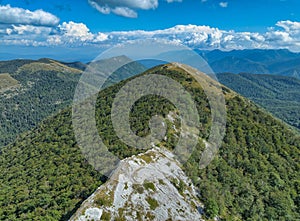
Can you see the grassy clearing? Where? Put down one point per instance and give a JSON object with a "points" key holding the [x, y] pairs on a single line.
{"points": [[6, 82]]}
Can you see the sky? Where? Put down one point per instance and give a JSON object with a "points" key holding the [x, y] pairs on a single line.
{"points": [[80, 29]]}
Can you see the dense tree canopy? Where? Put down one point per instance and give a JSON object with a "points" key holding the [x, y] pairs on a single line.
{"points": [[278, 94], [255, 176]]}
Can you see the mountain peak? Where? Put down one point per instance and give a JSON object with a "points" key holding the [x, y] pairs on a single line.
{"points": [[148, 186]]}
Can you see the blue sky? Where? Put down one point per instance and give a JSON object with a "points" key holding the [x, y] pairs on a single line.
{"points": [[201, 24], [239, 15]]}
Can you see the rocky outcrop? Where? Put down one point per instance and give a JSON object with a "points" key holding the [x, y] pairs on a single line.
{"points": [[149, 186]]}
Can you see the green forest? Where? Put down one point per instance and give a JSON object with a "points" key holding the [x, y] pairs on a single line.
{"points": [[279, 95], [255, 176], [45, 87]]}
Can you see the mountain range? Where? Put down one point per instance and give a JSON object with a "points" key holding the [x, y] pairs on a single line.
{"points": [[276, 62], [255, 175]]}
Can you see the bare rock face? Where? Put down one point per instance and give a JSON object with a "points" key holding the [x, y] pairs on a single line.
{"points": [[149, 186]]}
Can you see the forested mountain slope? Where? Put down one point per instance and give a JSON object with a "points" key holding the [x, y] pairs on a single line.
{"points": [[44, 87], [278, 94], [255, 176], [33, 90]]}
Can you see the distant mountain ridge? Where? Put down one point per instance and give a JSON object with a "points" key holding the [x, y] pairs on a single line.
{"points": [[256, 61]]}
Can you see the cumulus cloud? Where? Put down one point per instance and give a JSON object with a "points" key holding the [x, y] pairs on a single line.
{"points": [[285, 34], [76, 30], [13, 15], [125, 8], [137, 4], [288, 36], [223, 4], [28, 29], [99, 37], [170, 1], [194, 36], [68, 33], [20, 26], [289, 25], [124, 11], [75, 34]]}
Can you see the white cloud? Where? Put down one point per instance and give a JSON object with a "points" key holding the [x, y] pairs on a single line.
{"points": [[285, 34], [170, 1], [124, 11], [135, 4], [100, 37], [223, 4], [13, 15], [278, 36], [21, 42], [75, 34], [28, 29], [205, 37], [103, 9], [289, 25], [54, 40], [76, 30], [126, 8], [287, 37]]}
